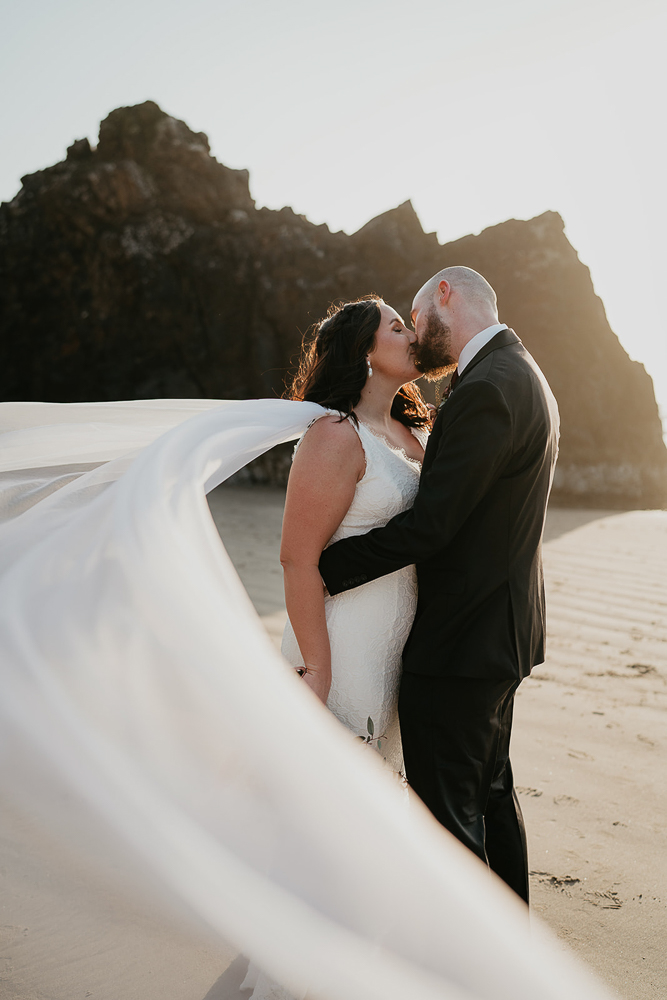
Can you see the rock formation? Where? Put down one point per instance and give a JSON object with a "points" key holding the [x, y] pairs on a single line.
{"points": [[142, 268]]}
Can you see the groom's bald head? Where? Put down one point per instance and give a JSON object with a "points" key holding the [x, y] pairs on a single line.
{"points": [[447, 312], [473, 288]]}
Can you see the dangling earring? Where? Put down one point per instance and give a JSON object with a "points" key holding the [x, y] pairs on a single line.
{"points": [[368, 362]]}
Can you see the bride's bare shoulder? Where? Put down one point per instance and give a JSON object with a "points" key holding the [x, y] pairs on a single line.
{"points": [[332, 428], [330, 441]]}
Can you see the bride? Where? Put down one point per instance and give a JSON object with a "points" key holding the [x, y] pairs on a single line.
{"points": [[351, 473]]}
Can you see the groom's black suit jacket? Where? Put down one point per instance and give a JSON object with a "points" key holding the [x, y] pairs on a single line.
{"points": [[476, 526]]}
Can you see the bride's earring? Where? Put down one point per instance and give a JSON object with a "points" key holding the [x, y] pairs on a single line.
{"points": [[368, 362]]}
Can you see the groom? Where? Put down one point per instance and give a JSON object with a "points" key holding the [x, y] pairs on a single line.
{"points": [[475, 534]]}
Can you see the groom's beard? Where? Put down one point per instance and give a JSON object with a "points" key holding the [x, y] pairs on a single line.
{"points": [[433, 354]]}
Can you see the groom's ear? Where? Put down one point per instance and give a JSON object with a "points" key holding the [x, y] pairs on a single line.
{"points": [[445, 290]]}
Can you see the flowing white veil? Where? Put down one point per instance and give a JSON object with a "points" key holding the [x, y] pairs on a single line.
{"points": [[139, 684]]}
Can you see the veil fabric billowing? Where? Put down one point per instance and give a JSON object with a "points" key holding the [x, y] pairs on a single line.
{"points": [[138, 681]]}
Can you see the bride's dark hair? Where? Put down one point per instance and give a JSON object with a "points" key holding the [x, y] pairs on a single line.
{"points": [[332, 368]]}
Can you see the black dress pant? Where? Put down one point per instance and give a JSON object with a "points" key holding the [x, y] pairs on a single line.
{"points": [[456, 738]]}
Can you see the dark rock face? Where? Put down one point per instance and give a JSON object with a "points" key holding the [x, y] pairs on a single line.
{"points": [[143, 269], [612, 449]]}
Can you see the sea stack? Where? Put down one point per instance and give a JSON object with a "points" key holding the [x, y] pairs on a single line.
{"points": [[142, 268]]}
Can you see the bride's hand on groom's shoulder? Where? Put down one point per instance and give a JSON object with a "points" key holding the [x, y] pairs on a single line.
{"points": [[432, 414]]}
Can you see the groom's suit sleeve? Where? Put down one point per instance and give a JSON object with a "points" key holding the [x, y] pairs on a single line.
{"points": [[474, 446]]}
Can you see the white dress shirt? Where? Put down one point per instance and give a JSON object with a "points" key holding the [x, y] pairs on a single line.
{"points": [[475, 345]]}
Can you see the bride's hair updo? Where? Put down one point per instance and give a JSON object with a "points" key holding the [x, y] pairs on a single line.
{"points": [[332, 368]]}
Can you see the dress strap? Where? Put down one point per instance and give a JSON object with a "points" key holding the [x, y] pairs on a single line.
{"points": [[328, 413], [422, 435], [331, 413]]}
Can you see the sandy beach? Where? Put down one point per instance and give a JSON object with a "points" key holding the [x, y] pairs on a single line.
{"points": [[588, 755]]}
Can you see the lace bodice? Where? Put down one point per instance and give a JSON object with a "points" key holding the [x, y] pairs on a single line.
{"points": [[368, 626], [388, 486]]}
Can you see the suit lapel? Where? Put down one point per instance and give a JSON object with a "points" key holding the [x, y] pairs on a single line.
{"points": [[505, 338], [432, 444]]}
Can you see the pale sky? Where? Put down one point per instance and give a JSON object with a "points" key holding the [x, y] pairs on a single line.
{"points": [[477, 111]]}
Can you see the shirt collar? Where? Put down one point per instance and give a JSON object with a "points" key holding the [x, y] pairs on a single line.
{"points": [[475, 345]]}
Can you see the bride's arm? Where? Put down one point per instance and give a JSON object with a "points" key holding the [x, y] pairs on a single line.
{"points": [[327, 466]]}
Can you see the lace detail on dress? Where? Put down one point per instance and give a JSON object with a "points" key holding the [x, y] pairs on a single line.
{"points": [[401, 451], [369, 626]]}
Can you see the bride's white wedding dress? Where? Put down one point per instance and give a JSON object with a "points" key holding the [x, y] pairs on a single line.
{"points": [[368, 626]]}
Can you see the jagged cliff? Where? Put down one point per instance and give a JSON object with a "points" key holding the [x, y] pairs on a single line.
{"points": [[142, 268]]}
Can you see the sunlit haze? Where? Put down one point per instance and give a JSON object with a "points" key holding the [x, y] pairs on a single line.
{"points": [[477, 112]]}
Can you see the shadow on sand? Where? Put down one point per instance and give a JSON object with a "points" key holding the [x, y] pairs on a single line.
{"points": [[562, 520], [228, 986]]}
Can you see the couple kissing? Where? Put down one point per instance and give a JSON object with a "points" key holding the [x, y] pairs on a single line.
{"points": [[427, 534]]}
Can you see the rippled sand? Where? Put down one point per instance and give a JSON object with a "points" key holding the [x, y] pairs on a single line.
{"points": [[590, 748]]}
